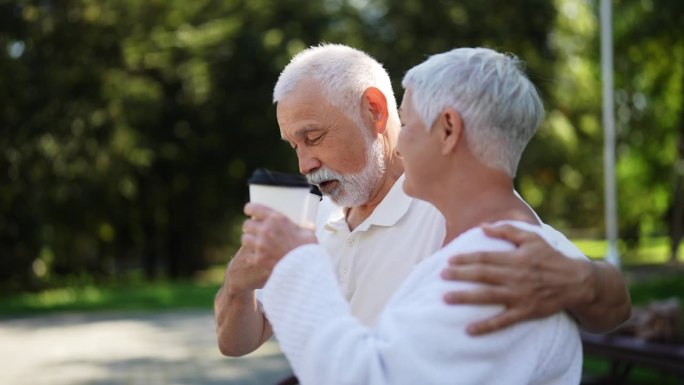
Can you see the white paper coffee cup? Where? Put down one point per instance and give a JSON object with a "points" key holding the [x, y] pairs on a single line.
{"points": [[286, 193]]}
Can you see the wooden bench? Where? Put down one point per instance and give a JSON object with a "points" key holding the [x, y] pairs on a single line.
{"points": [[626, 352]]}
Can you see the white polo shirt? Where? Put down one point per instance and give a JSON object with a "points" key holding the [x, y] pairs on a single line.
{"points": [[373, 260]]}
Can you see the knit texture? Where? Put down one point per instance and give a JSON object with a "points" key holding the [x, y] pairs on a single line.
{"points": [[418, 339]]}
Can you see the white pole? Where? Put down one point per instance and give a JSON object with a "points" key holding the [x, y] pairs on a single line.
{"points": [[612, 255]]}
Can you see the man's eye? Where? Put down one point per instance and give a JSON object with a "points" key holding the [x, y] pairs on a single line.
{"points": [[314, 139]]}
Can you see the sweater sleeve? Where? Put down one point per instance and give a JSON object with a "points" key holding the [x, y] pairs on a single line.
{"points": [[324, 343], [302, 296]]}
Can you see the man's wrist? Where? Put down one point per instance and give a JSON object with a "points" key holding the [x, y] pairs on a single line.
{"points": [[234, 294], [588, 286]]}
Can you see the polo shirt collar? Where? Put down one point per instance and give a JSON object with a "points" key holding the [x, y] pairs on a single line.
{"points": [[392, 208]]}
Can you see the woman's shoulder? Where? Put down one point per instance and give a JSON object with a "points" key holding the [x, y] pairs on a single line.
{"points": [[475, 239]]}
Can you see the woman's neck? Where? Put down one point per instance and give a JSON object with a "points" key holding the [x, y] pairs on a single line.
{"points": [[482, 200]]}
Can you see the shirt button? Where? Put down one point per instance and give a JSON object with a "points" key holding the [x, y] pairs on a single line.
{"points": [[350, 242]]}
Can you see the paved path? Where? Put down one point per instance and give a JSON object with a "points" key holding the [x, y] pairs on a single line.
{"points": [[169, 348]]}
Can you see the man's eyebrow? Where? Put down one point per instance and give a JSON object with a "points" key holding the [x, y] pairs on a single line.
{"points": [[302, 132], [305, 130]]}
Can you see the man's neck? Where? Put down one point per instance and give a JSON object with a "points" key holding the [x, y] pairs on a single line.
{"points": [[357, 214]]}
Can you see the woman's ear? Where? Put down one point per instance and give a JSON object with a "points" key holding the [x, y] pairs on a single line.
{"points": [[450, 130], [374, 103]]}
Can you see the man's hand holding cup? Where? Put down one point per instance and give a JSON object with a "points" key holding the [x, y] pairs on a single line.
{"points": [[269, 235], [281, 213]]}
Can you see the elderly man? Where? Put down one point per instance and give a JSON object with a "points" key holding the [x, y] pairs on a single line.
{"points": [[467, 116], [336, 108]]}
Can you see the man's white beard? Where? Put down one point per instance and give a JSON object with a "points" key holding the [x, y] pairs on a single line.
{"points": [[355, 189]]}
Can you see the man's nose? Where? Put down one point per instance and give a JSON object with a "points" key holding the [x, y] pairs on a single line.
{"points": [[307, 162]]}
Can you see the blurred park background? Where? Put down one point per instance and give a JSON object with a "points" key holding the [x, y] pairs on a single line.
{"points": [[129, 128]]}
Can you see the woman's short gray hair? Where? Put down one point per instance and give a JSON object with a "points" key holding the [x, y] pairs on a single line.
{"points": [[343, 72], [500, 107]]}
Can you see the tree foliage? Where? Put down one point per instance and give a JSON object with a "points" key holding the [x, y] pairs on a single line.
{"points": [[130, 126], [565, 179]]}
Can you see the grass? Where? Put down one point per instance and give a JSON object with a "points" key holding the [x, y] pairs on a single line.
{"points": [[651, 251], [594, 367], [665, 287], [149, 296], [137, 295]]}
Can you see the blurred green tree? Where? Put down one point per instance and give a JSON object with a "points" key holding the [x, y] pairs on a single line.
{"points": [[130, 127], [649, 68], [566, 175]]}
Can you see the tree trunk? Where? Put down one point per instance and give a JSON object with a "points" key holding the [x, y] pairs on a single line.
{"points": [[677, 205], [676, 221]]}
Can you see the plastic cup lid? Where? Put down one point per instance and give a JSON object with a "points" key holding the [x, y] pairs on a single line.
{"points": [[262, 176]]}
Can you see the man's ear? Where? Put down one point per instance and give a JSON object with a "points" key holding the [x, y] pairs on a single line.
{"points": [[375, 104], [450, 130]]}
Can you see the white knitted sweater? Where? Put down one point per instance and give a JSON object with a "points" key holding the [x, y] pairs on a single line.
{"points": [[418, 339]]}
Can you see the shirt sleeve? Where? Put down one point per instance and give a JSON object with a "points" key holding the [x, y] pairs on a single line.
{"points": [[418, 338]]}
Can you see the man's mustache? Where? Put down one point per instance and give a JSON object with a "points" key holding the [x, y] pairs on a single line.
{"points": [[323, 175]]}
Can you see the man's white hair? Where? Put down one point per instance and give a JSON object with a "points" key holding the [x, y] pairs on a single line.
{"points": [[500, 107], [343, 72]]}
